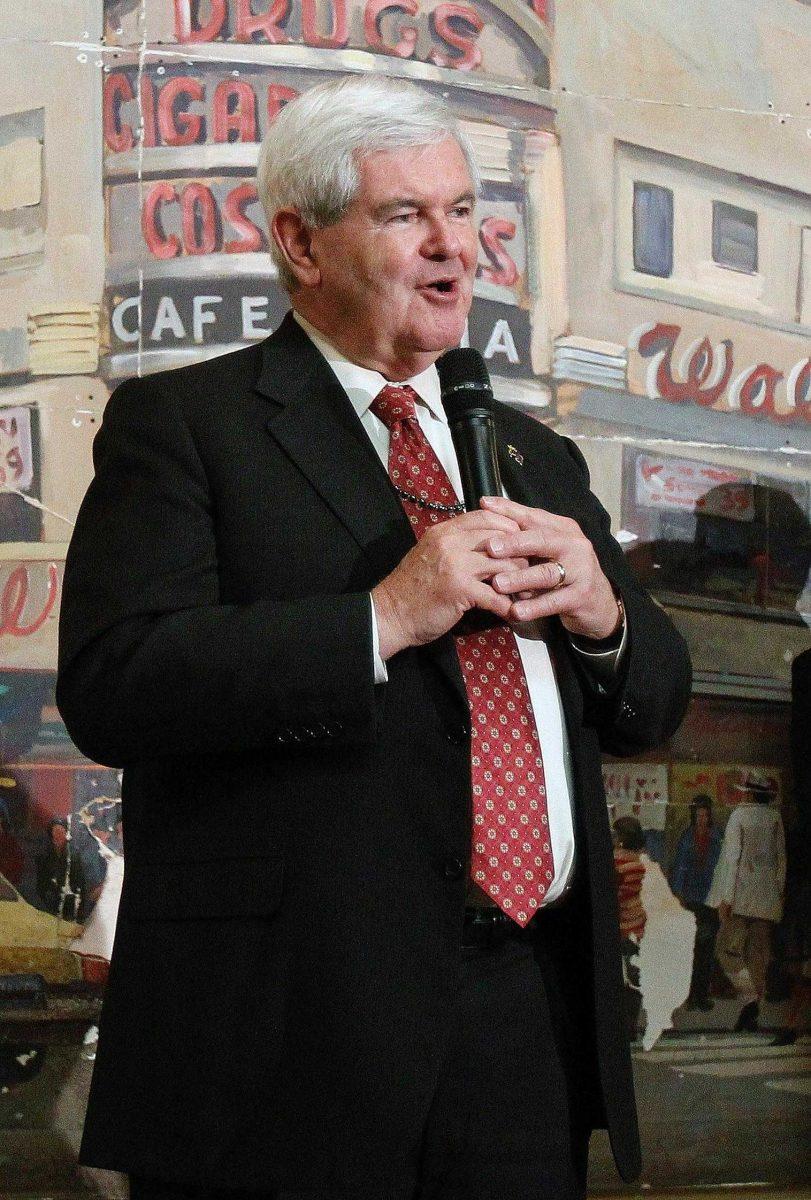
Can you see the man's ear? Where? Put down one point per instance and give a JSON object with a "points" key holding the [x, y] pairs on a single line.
{"points": [[293, 237]]}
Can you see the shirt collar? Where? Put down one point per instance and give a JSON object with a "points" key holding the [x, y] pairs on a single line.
{"points": [[362, 385]]}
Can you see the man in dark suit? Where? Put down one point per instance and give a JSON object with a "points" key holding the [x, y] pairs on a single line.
{"points": [[365, 948]]}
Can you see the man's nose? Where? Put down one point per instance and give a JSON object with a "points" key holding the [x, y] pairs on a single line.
{"points": [[442, 239]]}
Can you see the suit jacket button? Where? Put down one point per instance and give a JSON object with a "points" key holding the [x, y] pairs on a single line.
{"points": [[453, 868]]}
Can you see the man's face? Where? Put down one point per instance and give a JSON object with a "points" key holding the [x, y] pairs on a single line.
{"points": [[396, 272]]}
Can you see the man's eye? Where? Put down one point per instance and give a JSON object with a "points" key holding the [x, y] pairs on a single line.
{"points": [[403, 217], [462, 210]]}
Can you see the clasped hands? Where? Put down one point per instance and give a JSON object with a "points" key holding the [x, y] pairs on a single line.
{"points": [[502, 558]]}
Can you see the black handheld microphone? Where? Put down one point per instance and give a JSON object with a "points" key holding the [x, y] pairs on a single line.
{"points": [[467, 398]]}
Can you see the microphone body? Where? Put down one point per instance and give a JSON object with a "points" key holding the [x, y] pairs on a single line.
{"points": [[474, 439], [467, 398]]}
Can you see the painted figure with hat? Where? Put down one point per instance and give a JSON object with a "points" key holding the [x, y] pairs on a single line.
{"points": [[747, 889]]}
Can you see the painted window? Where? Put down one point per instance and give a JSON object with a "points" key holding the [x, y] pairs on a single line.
{"points": [[734, 538], [734, 237], [690, 233], [653, 229]]}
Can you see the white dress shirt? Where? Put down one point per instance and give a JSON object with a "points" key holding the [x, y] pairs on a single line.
{"points": [[362, 386]]}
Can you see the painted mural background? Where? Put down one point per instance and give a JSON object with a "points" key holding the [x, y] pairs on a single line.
{"points": [[644, 286]]}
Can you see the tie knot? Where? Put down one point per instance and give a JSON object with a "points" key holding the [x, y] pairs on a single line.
{"points": [[394, 404]]}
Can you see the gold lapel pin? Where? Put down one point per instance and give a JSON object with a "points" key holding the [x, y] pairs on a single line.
{"points": [[513, 453]]}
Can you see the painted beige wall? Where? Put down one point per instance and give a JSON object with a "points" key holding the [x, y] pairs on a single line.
{"points": [[65, 81], [723, 84]]}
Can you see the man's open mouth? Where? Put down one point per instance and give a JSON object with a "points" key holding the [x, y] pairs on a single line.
{"points": [[443, 286]]}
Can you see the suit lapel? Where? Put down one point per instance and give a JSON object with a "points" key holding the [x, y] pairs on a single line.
{"points": [[527, 480], [315, 424]]}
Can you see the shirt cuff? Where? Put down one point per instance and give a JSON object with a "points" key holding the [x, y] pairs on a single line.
{"points": [[381, 674], [603, 665]]}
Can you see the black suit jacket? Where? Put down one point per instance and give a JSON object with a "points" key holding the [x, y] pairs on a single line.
{"points": [[295, 836]]}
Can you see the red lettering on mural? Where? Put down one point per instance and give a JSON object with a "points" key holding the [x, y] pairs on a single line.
{"points": [[119, 135], [158, 243], [267, 23], [199, 217], [201, 224], [278, 96], [457, 26], [372, 16], [176, 125], [186, 13], [494, 231], [753, 393], [756, 394], [799, 389], [15, 464], [662, 340], [14, 598], [251, 238], [541, 9], [734, 501], [234, 112], [339, 33], [117, 89]]}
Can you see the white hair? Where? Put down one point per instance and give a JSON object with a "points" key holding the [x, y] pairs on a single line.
{"points": [[309, 157]]}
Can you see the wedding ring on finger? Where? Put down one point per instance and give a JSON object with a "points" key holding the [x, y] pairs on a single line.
{"points": [[562, 578]]}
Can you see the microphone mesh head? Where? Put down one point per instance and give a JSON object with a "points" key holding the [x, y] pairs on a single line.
{"points": [[463, 380]]}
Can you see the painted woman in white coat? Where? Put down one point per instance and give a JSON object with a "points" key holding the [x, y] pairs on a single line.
{"points": [[747, 889]]}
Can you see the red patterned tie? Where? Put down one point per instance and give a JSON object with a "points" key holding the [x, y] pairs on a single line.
{"points": [[511, 858]]}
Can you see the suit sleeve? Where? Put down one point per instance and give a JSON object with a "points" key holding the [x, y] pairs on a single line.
{"points": [[654, 679], [151, 661]]}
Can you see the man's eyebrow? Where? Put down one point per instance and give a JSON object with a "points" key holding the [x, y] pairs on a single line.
{"points": [[466, 198], [392, 206]]}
